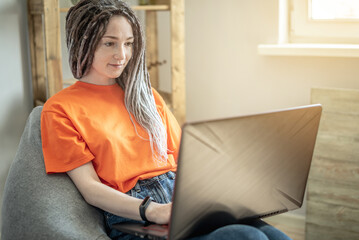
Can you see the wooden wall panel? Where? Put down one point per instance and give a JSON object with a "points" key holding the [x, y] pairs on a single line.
{"points": [[44, 38], [328, 233], [333, 185], [339, 194], [178, 60], [337, 100], [45, 47], [38, 64], [53, 46], [152, 47]]}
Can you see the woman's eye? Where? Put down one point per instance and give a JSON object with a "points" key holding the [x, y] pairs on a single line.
{"points": [[109, 44], [129, 44]]}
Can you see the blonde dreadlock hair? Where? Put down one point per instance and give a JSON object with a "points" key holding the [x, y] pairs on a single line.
{"points": [[86, 23]]}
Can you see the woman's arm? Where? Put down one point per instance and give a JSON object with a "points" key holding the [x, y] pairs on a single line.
{"points": [[113, 201]]}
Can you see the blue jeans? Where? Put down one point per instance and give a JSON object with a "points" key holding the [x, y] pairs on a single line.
{"points": [[160, 188]]}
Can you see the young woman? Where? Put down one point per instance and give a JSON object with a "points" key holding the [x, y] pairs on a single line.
{"points": [[110, 132]]}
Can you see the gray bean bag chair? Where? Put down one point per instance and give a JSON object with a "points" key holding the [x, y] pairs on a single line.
{"points": [[41, 206]]}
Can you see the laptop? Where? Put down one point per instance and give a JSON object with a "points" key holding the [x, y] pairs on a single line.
{"points": [[237, 169]]}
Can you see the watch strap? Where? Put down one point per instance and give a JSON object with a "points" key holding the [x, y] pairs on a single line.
{"points": [[143, 206]]}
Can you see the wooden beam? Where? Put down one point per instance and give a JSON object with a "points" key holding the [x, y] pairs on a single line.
{"points": [[161, 2], [39, 103], [137, 8], [151, 8], [35, 7], [152, 49], [37, 49], [167, 98], [53, 46], [32, 52], [178, 60]]}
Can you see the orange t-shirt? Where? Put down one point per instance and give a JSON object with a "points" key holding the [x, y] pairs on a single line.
{"points": [[87, 122]]}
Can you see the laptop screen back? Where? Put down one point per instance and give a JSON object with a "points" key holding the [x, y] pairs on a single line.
{"points": [[241, 168]]}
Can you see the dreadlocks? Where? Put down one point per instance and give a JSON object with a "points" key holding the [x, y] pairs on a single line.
{"points": [[86, 23]]}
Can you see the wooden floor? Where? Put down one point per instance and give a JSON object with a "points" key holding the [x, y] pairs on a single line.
{"points": [[294, 227]]}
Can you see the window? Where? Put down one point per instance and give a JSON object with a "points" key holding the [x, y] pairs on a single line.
{"points": [[334, 10], [324, 21]]}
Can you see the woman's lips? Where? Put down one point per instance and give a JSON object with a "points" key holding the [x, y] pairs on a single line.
{"points": [[117, 65]]}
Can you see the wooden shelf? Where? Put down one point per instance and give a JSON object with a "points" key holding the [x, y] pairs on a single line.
{"points": [[151, 8], [45, 47], [137, 8]]}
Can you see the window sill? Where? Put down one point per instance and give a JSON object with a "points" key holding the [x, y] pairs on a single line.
{"points": [[314, 50]]}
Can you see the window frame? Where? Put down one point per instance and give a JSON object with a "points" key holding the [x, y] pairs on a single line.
{"points": [[303, 29]]}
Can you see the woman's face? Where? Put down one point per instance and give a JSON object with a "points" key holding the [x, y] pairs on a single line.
{"points": [[113, 52]]}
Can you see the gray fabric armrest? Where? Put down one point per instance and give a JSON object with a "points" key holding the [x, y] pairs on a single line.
{"points": [[41, 206]]}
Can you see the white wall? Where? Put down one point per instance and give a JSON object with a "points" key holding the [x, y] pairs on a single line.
{"points": [[225, 75], [15, 92]]}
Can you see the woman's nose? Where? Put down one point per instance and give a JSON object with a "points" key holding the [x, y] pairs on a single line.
{"points": [[120, 54]]}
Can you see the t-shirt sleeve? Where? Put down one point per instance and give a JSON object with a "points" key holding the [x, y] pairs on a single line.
{"points": [[63, 147], [172, 126]]}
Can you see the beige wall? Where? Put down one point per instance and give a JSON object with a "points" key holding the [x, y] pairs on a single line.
{"points": [[226, 76]]}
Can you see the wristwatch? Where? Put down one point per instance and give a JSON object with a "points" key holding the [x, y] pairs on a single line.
{"points": [[143, 206]]}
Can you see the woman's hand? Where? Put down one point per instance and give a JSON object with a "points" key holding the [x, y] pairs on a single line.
{"points": [[113, 201], [159, 213]]}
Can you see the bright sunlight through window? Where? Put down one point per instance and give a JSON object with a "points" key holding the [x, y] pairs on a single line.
{"points": [[334, 9]]}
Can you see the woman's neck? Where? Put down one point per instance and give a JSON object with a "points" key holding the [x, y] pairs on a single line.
{"points": [[98, 81]]}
